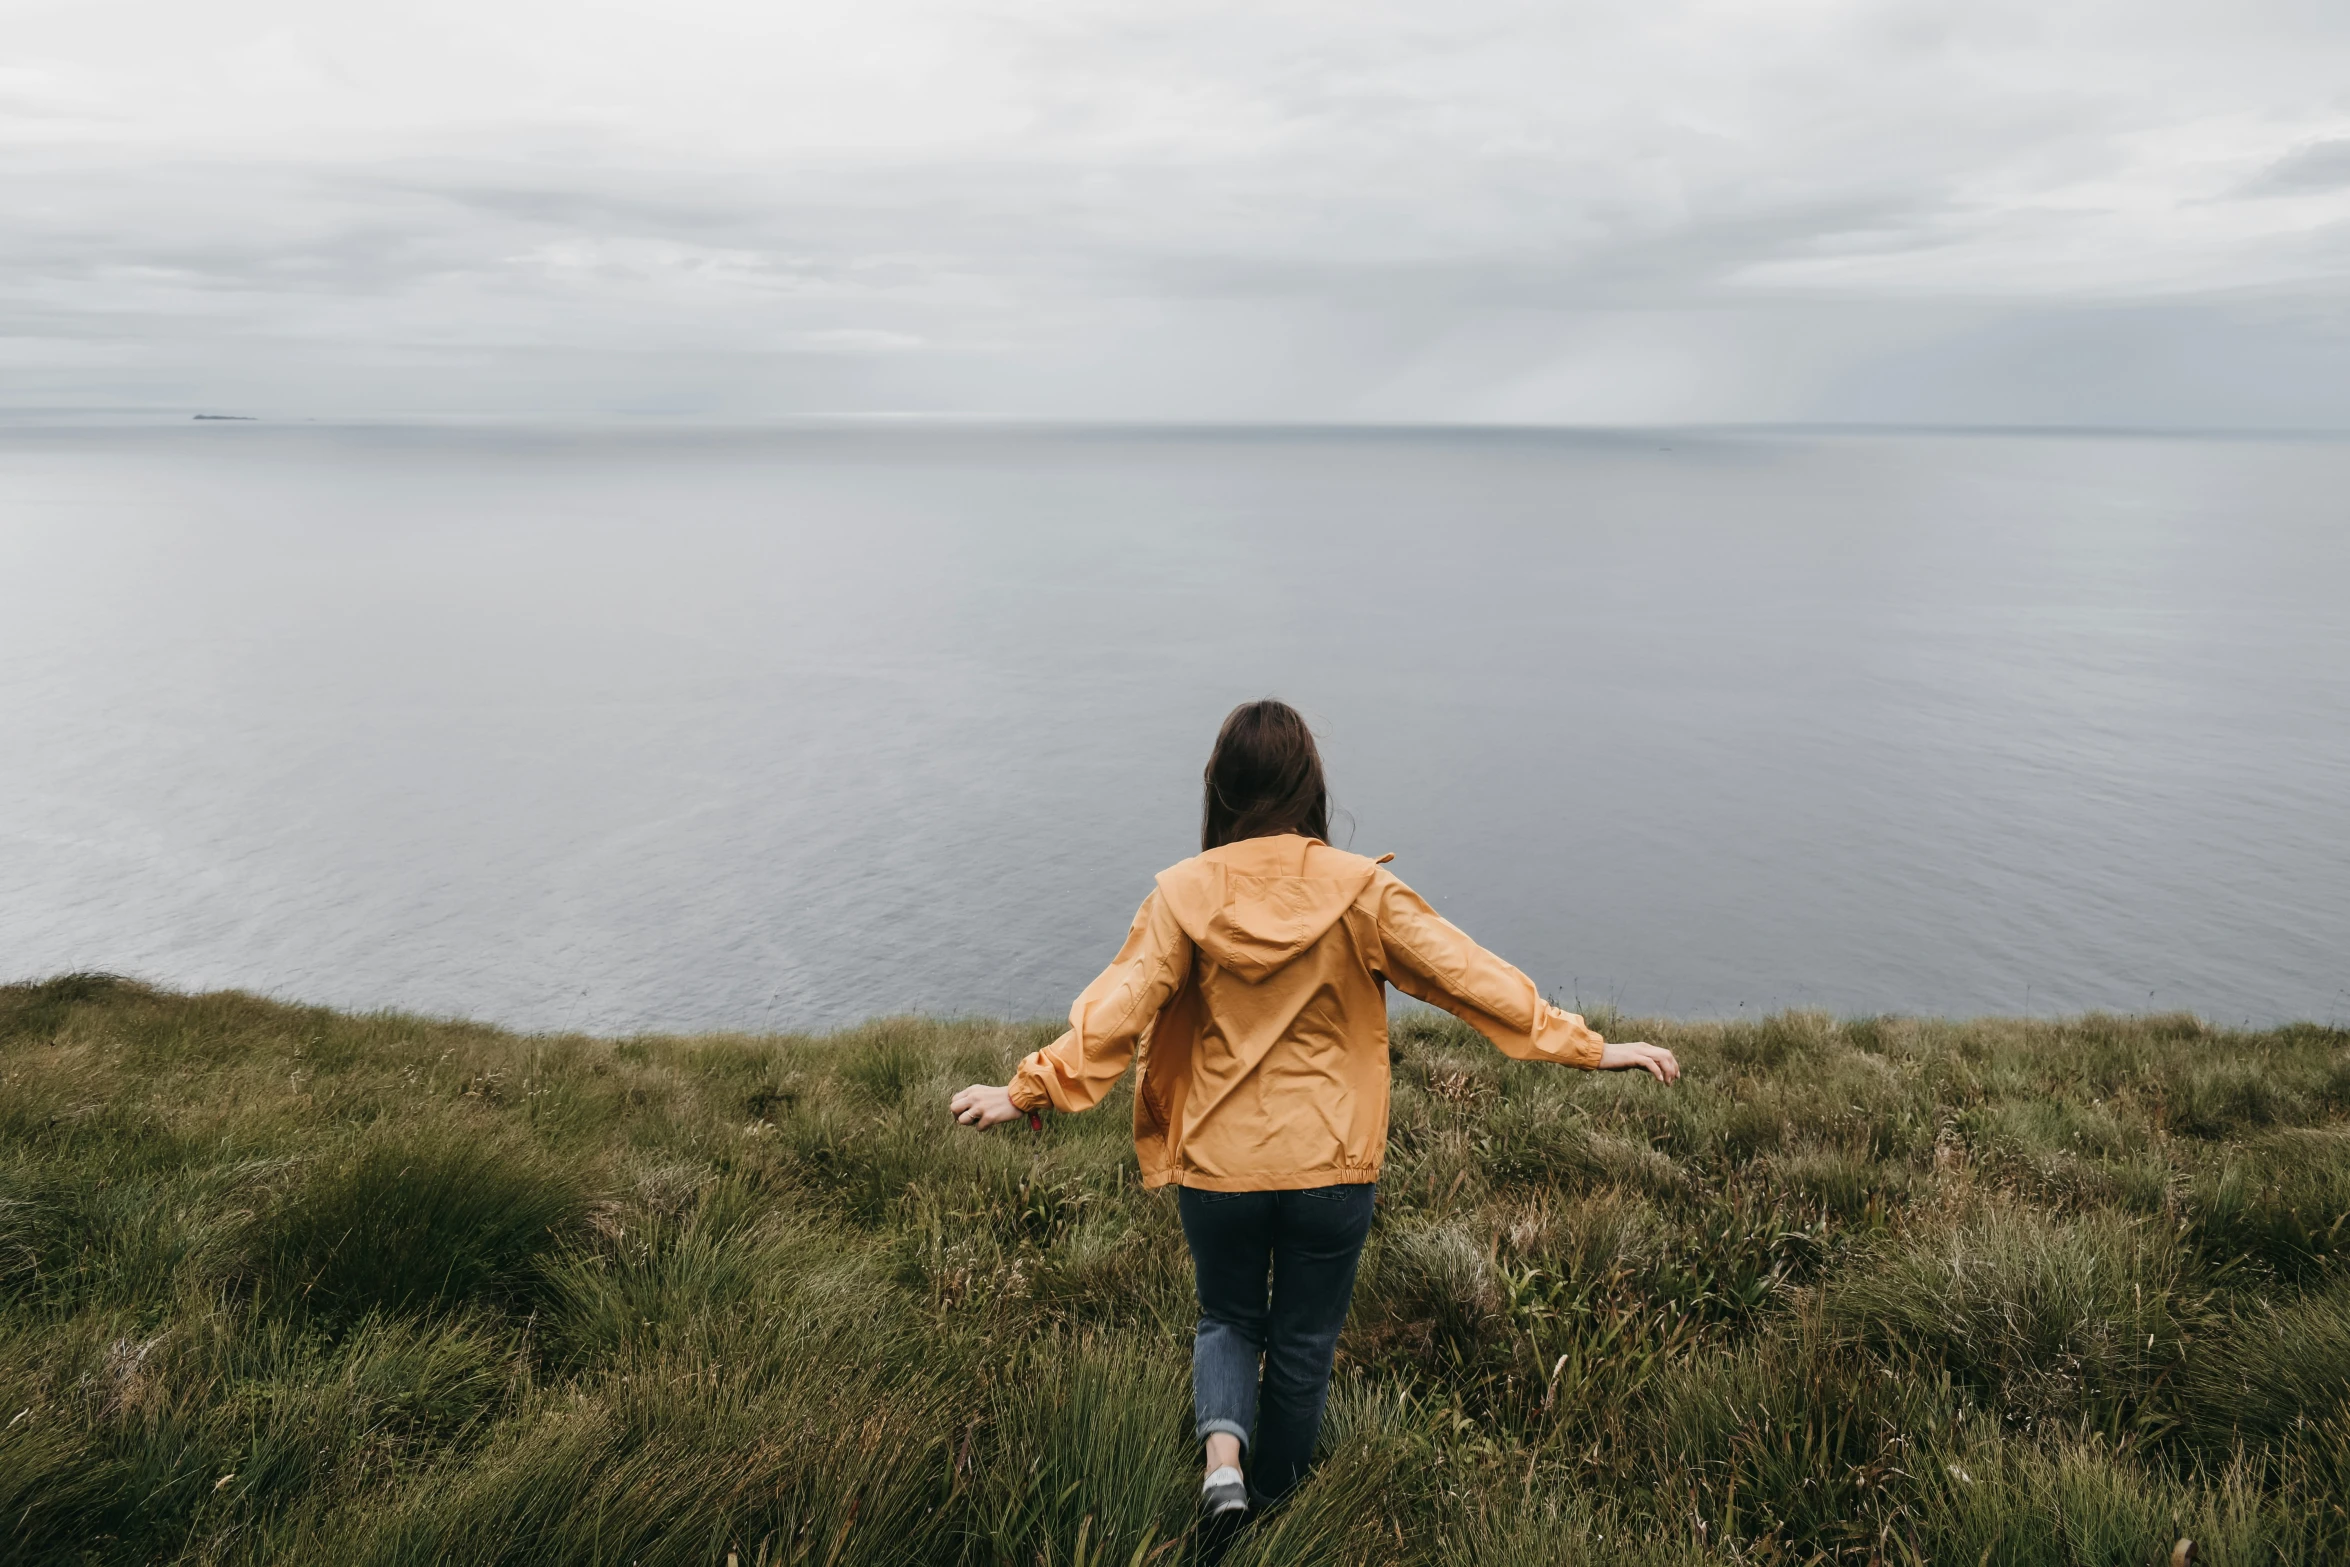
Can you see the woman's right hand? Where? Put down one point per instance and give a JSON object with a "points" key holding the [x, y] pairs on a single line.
{"points": [[983, 1105], [1655, 1060]]}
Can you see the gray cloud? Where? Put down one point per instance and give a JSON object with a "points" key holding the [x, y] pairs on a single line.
{"points": [[1689, 210], [2319, 166]]}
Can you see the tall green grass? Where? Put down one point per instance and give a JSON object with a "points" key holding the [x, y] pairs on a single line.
{"points": [[283, 1284]]}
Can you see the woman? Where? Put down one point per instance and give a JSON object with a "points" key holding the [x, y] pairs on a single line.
{"points": [[1256, 973]]}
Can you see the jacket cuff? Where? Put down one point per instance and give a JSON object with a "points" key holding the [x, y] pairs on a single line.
{"points": [[1026, 1094], [1583, 1042]]}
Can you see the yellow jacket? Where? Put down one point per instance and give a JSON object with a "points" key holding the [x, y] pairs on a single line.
{"points": [[1253, 980]]}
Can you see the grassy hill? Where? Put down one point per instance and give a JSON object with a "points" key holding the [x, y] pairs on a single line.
{"points": [[284, 1284]]}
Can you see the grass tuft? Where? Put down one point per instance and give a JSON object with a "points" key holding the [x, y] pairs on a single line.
{"points": [[413, 1222], [2279, 1205], [2047, 1319]]}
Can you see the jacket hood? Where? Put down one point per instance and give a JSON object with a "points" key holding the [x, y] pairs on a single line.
{"points": [[1254, 905]]}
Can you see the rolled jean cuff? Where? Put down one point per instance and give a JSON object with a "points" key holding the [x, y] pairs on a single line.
{"points": [[1231, 1428]]}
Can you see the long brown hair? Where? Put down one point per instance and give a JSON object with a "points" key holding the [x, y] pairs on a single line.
{"points": [[1264, 777]]}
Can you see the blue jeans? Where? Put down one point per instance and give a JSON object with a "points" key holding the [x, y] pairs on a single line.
{"points": [[1309, 1241]]}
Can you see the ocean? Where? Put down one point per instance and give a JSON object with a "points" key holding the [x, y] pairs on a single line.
{"points": [[653, 728]]}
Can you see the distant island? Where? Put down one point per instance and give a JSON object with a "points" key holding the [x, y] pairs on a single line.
{"points": [[238, 418]]}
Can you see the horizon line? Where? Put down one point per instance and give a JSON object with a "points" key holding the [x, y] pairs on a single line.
{"points": [[176, 415]]}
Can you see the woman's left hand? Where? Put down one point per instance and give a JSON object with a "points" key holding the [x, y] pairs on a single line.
{"points": [[983, 1106], [1640, 1055]]}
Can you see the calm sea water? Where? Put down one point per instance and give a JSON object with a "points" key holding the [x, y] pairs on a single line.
{"points": [[681, 730]]}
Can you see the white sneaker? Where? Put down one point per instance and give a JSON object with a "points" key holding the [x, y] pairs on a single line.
{"points": [[1223, 1493]]}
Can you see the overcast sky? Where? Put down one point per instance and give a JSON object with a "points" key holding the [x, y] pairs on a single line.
{"points": [[2085, 211]]}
